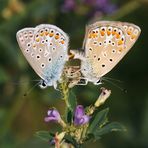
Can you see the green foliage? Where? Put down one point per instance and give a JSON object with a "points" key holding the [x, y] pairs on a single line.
{"points": [[44, 135], [72, 105], [20, 120], [113, 126], [99, 120]]}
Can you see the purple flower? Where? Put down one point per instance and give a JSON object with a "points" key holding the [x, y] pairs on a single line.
{"points": [[104, 6], [79, 117], [68, 5], [52, 115]]}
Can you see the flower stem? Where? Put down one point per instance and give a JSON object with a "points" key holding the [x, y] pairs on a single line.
{"points": [[65, 92]]}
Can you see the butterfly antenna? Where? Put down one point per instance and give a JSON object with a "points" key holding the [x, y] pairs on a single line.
{"points": [[122, 89], [23, 82], [25, 94], [112, 79]]}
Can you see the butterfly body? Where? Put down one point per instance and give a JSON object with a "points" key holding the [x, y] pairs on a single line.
{"points": [[105, 44], [45, 48]]}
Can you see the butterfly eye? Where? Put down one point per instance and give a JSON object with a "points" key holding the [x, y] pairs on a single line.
{"points": [[42, 84], [98, 82]]}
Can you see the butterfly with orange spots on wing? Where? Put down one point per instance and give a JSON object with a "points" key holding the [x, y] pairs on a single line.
{"points": [[46, 49], [105, 44]]}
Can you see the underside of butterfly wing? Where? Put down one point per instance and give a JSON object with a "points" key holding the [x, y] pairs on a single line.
{"points": [[47, 50], [105, 45]]}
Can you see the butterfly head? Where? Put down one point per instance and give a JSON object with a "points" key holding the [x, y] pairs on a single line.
{"points": [[43, 84]]}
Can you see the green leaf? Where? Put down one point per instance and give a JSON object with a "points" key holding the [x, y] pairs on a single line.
{"points": [[99, 119], [69, 115], [72, 101], [44, 135], [114, 126], [71, 140]]}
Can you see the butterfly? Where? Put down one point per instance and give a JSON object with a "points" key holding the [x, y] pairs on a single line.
{"points": [[105, 44], [46, 49]]}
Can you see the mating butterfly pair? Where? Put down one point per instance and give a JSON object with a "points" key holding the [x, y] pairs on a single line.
{"points": [[105, 44]]}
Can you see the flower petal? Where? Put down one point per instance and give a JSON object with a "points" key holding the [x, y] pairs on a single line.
{"points": [[85, 119], [79, 112]]}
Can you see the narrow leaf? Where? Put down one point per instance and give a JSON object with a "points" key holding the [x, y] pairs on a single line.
{"points": [[99, 119], [114, 126], [72, 101], [44, 135]]}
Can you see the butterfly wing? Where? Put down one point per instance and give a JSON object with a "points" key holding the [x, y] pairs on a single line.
{"points": [[45, 48], [105, 45]]}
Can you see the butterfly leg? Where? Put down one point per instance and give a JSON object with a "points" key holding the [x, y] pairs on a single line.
{"points": [[76, 54]]}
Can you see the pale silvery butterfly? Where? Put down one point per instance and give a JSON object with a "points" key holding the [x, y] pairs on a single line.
{"points": [[45, 47], [105, 44]]}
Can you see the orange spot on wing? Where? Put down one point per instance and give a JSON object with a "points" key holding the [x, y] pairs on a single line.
{"points": [[37, 40], [129, 32], [41, 34], [113, 32], [51, 34], [62, 42], [46, 33], [133, 36], [117, 35], [57, 37], [108, 32], [121, 49], [120, 42], [102, 33], [90, 35], [94, 35]]}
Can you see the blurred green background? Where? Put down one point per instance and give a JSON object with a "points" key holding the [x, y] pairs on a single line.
{"points": [[21, 117]]}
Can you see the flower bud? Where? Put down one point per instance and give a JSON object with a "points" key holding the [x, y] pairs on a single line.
{"points": [[103, 97]]}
